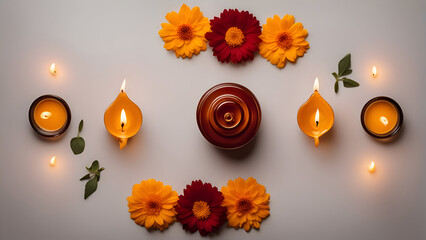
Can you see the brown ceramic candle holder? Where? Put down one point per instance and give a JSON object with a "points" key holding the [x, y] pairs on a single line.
{"points": [[44, 132], [380, 113], [228, 115]]}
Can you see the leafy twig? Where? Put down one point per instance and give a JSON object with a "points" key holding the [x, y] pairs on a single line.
{"points": [[94, 176], [344, 70]]}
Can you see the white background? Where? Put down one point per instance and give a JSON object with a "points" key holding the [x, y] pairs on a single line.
{"points": [[316, 193]]}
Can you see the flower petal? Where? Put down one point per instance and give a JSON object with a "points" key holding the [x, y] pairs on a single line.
{"points": [[149, 222], [174, 18], [287, 22]]}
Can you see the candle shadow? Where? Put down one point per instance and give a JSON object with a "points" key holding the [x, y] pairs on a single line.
{"points": [[49, 139], [132, 147], [327, 140], [328, 137], [136, 141], [242, 153], [392, 140]]}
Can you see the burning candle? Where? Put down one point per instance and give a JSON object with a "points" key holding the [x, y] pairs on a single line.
{"points": [[381, 117], [315, 117], [123, 118], [53, 69], [53, 161], [49, 116], [374, 72], [372, 167]]}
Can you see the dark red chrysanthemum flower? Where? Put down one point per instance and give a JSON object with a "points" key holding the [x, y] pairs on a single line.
{"points": [[234, 36], [199, 208]]}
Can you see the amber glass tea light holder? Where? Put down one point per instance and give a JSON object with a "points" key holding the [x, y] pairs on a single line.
{"points": [[50, 116], [315, 117], [382, 118]]}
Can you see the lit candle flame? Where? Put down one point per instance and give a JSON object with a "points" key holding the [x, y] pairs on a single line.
{"points": [[53, 69], [374, 71], [372, 167], [123, 119], [53, 161], [317, 118], [316, 85], [384, 120], [45, 115], [123, 86]]}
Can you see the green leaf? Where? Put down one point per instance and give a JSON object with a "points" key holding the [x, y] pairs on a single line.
{"points": [[91, 187], [344, 64], [336, 87], [334, 75], [80, 126], [90, 170], [347, 72], [349, 83], [77, 145], [87, 176], [95, 166], [94, 176]]}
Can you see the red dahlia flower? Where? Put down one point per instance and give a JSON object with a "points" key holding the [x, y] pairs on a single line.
{"points": [[199, 208], [234, 36]]}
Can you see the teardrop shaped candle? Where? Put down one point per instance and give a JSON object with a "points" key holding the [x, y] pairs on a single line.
{"points": [[315, 117], [123, 118]]}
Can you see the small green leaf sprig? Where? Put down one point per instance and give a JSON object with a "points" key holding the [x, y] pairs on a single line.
{"points": [[344, 70], [94, 175], [77, 143]]}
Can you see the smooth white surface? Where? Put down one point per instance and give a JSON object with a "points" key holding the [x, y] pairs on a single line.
{"points": [[316, 193]]}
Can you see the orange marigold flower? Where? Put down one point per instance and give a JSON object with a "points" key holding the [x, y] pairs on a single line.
{"points": [[247, 203], [184, 34], [283, 40], [152, 204]]}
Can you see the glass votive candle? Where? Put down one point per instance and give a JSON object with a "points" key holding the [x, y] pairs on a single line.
{"points": [[50, 116], [382, 117]]}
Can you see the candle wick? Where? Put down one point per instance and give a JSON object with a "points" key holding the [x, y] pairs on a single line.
{"points": [[122, 125], [317, 122]]}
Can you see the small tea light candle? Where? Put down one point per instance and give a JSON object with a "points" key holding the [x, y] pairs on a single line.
{"points": [[53, 69], [372, 167], [53, 161], [49, 116], [374, 72], [381, 117]]}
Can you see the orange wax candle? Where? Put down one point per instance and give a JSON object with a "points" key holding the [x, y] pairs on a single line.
{"points": [[315, 117], [123, 118], [381, 117], [50, 115]]}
